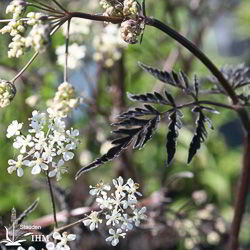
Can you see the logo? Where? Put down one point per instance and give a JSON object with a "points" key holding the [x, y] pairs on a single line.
{"points": [[13, 242], [11, 234]]}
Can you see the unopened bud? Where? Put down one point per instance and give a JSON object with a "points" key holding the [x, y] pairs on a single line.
{"points": [[7, 93], [130, 30]]}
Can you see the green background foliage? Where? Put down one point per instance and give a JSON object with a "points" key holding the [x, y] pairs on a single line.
{"points": [[217, 165]]}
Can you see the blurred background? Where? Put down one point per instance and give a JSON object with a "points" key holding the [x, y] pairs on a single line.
{"points": [[103, 69]]}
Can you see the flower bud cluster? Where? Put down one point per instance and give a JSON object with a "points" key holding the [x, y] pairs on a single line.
{"points": [[7, 93], [118, 208], [125, 8], [64, 102], [130, 10], [38, 36], [130, 30], [16, 7], [46, 147]]}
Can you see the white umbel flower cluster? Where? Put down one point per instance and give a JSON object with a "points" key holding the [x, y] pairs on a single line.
{"points": [[46, 147], [7, 93], [38, 34], [76, 54], [108, 45], [64, 102], [118, 208], [130, 10]]}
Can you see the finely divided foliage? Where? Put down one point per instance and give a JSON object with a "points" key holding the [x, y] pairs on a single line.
{"points": [[136, 126]]}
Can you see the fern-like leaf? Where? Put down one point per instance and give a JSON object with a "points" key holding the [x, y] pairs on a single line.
{"points": [[136, 112], [149, 98], [135, 130], [175, 124], [200, 133], [164, 76]]}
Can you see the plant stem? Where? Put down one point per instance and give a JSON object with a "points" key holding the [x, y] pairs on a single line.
{"points": [[66, 52], [25, 67], [96, 17], [60, 6], [52, 200], [240, 203], [69, 225], [190, 104], [242, 113]]}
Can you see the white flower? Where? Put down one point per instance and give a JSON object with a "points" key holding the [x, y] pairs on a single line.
{"points": [[34, 18], [78, 26], [14, 129], [58, 170], [16, 7], [64, 239], [17, 165], [114, 238], [72, 136], [104, 202], [38, 120], [64, 102], [16, 47], [38, 164], [92, 221], [108, 46], [14, 27], [131, 188], [57, 137], [131, 7], [40, 140], [139, 215], [30, 248], [38, 37], [23, 142], [100, 188], [120, 186], [75, 55], [127, 223], [113, 218], [32, 100], [7, 93], [58, 125], [49, 153], [65, 151], [129, 202]]}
